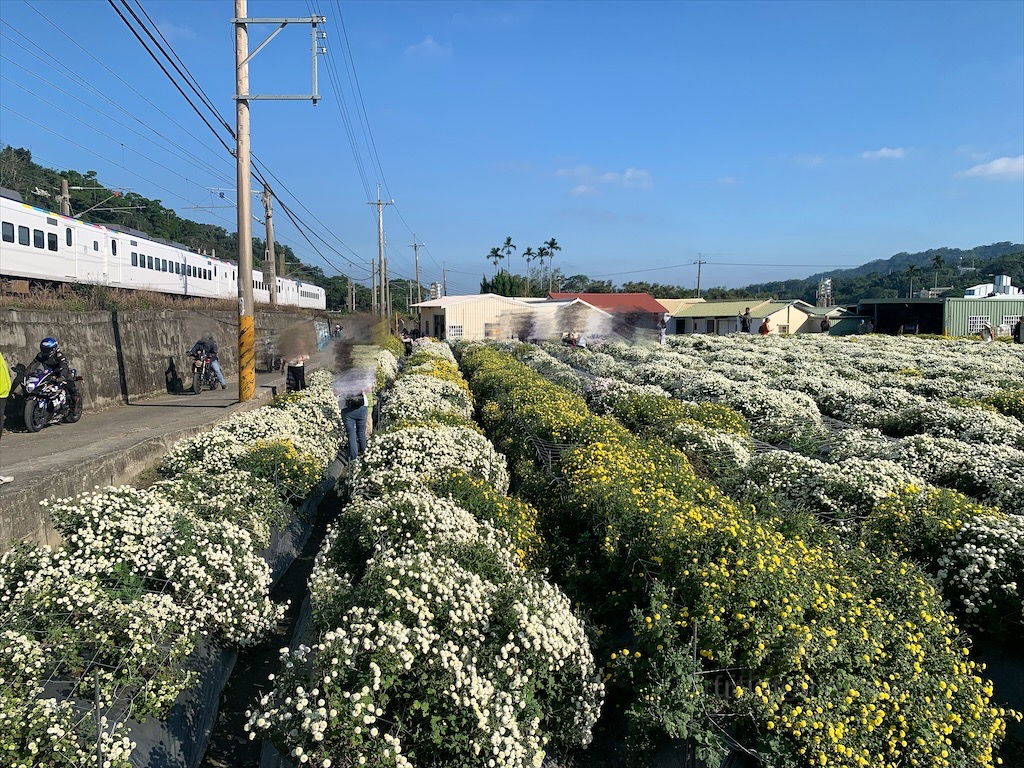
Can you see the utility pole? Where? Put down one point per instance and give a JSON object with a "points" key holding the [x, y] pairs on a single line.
{"points": [[382, 307], [373, 286], [699, 262], [270, 278], [65, 198], [444, 279], [246, 309], [416, 250], [246, 315]]}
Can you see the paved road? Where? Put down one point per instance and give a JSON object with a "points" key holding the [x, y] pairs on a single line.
{"points": [[109, 447]]}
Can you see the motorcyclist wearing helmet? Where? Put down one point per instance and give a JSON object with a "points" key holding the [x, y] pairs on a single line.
{"points": [[207, 346], [51, 355]]}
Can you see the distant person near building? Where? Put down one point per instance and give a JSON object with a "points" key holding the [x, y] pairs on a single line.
{"points": [[5, 390], [765, 328], [826, 325], [745, 321], [1018, 333]]}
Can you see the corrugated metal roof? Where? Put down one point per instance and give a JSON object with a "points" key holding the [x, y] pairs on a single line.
{"points": [[671, 305], [617, 302], [724, 308], [447, 301]]}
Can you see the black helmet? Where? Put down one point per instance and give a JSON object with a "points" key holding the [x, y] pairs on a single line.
{"points": [[48, 346]]}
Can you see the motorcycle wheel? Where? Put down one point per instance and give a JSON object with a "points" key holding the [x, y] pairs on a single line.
{"points": [[197, 383], [75, 411], [36, 416]]}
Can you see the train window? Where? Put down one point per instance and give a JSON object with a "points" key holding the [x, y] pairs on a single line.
{"points": [[133, 242], [37, 238], [52, 222], [23, 236], [8, 232], [113, 244], [177, 268], [51, 241], [214, 271], [135, 258], [68, 236], [149, 262], [95, 245]]}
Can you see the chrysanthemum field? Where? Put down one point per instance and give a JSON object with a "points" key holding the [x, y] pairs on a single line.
{"points": [[780, 550]]}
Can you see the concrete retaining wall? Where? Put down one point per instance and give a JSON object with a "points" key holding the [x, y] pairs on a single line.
{"points": [[133, 354]]}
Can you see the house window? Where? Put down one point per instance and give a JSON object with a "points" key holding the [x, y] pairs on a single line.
{"points": [[454, 331], [975, 322], [783, 329], [1011, 320]]}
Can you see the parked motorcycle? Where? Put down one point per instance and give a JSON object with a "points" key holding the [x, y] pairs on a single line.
{"points": [[47, 399], [203, 374]]}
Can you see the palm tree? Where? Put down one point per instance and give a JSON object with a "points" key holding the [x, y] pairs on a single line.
{"points": [[495, 256], [507, 248], [552, 246], [543, 253], [911, 271], [937, 263], [529, 255]]}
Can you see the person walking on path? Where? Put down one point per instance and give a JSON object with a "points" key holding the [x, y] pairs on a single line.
{"points": [[353, 415], [5, 391]]}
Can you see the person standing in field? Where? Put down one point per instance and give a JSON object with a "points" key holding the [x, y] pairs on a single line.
{"points": [[765, 329]]}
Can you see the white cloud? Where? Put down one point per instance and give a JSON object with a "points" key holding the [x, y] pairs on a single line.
{"points": [[175, 32], [592, 180], [1000, 168], [884, 153], [429, 48]]}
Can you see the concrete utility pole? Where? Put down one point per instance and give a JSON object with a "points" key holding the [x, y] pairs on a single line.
{"points": [[373, 287], [246, 309], [65, 198], [243, 185], [416, 250], [270, 278], [382, 304], [444, 279]]}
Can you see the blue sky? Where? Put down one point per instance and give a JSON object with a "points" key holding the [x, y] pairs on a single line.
{"points": [[771, 140]]}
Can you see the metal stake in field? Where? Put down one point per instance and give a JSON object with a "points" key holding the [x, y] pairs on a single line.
{"points": [[246, 318]]}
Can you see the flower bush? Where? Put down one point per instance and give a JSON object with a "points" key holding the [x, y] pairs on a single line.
{"points": [[874, 665], [433, 643], [143, 575]]}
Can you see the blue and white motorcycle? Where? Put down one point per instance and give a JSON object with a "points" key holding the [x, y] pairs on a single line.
{"points": [[47, 399]]}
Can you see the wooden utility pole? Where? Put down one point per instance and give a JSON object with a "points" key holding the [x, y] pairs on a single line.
{"points": [[246, 316], [65, 198], [699, 262], [416, 250], [269, 277]]}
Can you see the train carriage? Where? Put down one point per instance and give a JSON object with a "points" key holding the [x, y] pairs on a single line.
{"points": [[41, 245]]}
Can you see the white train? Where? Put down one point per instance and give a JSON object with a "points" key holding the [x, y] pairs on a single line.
{"points": [[41, 245]]}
